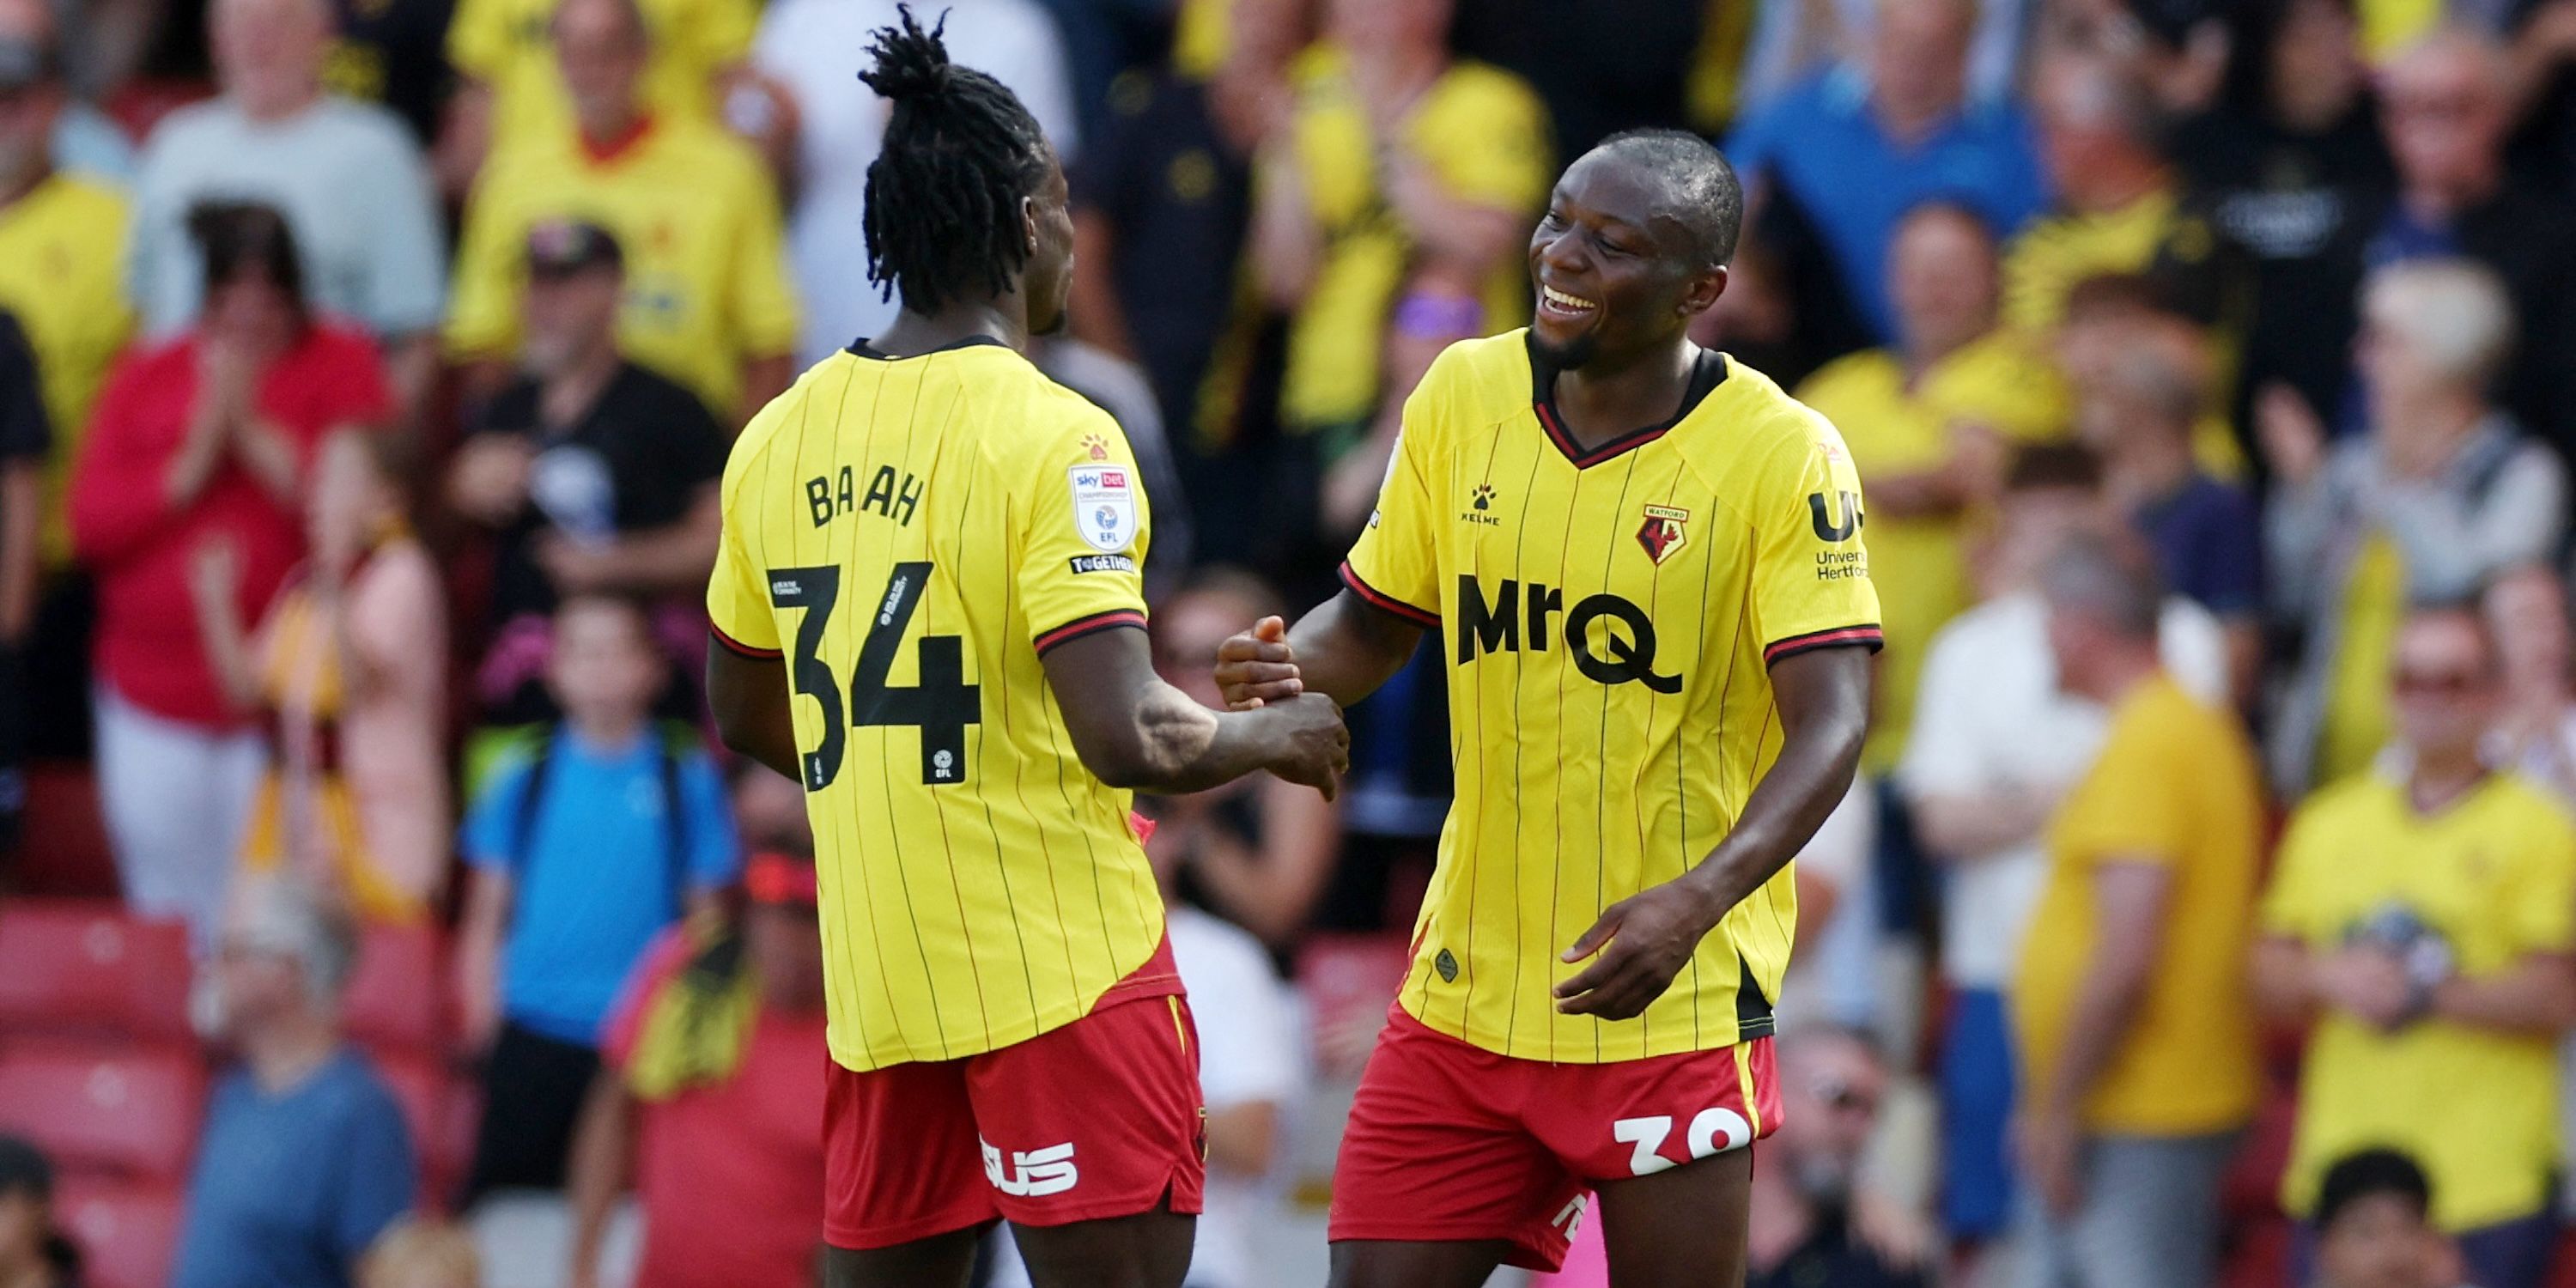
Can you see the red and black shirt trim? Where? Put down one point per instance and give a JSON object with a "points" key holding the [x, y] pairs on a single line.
{"points": [[1867, 636], [1708, 371], [733, 645], [1387, 603], [1114, 619]]}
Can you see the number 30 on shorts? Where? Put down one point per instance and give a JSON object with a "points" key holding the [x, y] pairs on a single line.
{"points": [[1713, 1131]]}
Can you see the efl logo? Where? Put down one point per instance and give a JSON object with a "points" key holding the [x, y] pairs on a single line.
{"points": [[1034, 1173]]}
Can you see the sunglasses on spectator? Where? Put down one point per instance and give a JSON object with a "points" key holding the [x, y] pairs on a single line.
{"points": [[2439, 684], [1842, 1097]]}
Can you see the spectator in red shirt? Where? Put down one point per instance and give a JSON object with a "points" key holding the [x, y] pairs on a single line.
{"points": [[710, 1091], [203, 440]]}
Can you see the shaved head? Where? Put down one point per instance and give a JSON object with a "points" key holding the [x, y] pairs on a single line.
{"points": [[1701, 195]]}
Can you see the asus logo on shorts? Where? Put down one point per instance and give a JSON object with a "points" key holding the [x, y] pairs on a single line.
{"points": [[1034, 1173]]}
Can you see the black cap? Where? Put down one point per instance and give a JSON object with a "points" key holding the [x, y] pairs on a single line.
{"points": [[561, 246], [23, 63], [23, 1167]]}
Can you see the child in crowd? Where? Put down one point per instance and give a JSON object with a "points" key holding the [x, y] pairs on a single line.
{"points": [[585, 843], [2375, 1228]]}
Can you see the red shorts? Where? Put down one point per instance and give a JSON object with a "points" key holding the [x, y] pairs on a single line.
{"points": [[1100, 1118], [1448, 1141]]}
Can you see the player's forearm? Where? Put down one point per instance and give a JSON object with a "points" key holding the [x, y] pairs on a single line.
{"points": [[1177, 747], [1824, 724], [2537, 997], [1346, 649], [749, 699]]}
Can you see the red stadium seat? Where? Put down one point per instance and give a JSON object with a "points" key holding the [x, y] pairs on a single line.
{"points": [[106, 1110], [84, 966], [440, 1108], [397, 1002], [127, 1234]]}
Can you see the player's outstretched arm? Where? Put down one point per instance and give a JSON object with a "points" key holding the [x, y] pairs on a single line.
{"points": [[1645, 939], [1343, 649], [750, 701], [1133, 730]]}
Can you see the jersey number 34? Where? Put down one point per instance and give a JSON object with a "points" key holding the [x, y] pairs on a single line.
{"points": [[940, 706]]}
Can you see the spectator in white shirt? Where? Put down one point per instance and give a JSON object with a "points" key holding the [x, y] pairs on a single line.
{"points": [[805, 49], [352, 184], [1995, 745]]}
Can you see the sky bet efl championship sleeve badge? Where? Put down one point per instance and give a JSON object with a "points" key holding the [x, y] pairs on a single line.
{"points": [[1104, 506]]}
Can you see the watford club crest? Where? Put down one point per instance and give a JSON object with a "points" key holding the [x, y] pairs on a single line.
{"points": [[1662, 533]]}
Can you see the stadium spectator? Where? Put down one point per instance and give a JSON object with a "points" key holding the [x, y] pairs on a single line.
{"points": [[1927, 419], [203, 439], [584, 844], [79, 138], [1865, 141], [2140, 411], [2445, 105], [305, 1158], [2105, 316], [62, 242], [348, 671], [1790, 42], [349, 181], [513, 88], [692, 208], [419, 1253], [25, 436], [710, 1090], [2374, 1225], [595, 473], [2526, 611], [808, 48], [1997, 743], [1162, 204], [1258, 851], [1804, 1185], [2291, 170], [392, 53], [2135, 1035], [1397, 166], [2423, 917], [33, 1253], [2443, 493], [2118, 209]]}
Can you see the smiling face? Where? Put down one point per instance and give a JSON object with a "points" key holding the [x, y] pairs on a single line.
{"points": [[1614, 271]]}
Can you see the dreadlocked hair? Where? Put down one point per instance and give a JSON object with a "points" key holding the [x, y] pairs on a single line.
{"points": [[943, 215]]}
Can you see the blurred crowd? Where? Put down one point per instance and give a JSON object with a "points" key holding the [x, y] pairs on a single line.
{"points": [[2206, 908]]}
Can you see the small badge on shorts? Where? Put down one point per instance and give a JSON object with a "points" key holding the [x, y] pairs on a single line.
{"points": [[1447, 965]]}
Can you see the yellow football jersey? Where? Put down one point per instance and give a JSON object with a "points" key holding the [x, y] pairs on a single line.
{"points": [[909, 536], [1611, 618], [509, 45], [694, 212]]}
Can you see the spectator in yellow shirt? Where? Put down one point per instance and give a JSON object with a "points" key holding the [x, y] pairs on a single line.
{"points": [[2423, 919], [1929, 421], [514, 90], [2135, 1035], [707, 301], [62, 250], [1397, 163], [2117, 205]]}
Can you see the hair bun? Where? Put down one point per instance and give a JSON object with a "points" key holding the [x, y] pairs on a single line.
{"points": [[911, 64]]}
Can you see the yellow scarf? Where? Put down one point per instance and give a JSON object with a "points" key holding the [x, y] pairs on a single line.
{"points": [[697, 1025]]}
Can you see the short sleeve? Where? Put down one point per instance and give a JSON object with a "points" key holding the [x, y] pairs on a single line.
{"points": [[2542, 912], [378, 1173], [478, 38], [1395, 563], [491, 815], [1498, 157], [715, 850], [738, 606], [2131, 806], [1082, 544], [764, 305], [1811, 571], [2290, 907]]}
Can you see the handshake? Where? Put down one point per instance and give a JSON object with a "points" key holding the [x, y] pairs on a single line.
{"points": [[1300, 735]]}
